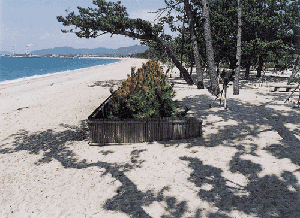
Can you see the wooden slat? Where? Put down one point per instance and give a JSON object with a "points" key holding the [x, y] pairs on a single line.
{"points": [[106, 131]]}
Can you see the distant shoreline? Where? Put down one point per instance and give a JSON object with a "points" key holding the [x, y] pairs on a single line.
{"points": [[105, 58], [36, 76]]}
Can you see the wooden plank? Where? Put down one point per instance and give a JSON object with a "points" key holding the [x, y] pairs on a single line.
{"points": [[141, 130]]}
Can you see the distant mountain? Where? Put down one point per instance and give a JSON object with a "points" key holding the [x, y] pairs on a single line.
{"points": [[72, 51], [97, 51], [130, 50], [5, 52]]}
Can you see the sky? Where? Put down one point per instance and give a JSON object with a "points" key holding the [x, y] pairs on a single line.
{"points": [[33, 23]]}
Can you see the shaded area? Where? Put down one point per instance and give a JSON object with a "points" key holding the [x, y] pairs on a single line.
{"points": [[248, 120], [106, 152], [267, 76], [269, 196], [220, 194], [135, 154], [135, 161], [217, 215], [245, 167], [175, 209], [52, 144], [128, 199]]}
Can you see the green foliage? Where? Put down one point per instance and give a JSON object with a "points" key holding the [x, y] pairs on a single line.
{"points": [[109, 17], [270, 31], [267, 26], [146, 93], [112, 18]]}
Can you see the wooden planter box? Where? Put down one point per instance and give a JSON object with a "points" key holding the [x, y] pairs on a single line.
{"points": [[117, 131]]}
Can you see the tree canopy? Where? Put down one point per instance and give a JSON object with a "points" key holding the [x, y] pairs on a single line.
{"points": [[270, 31], [112, 18]]}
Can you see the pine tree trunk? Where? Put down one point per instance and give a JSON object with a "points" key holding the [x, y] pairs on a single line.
{"points": [[191, 70], [260, 66], [209, 50], [182, 46], [295, 70], [199, 69], [236, 89], [184, 72], [225, 97], [247, 72]]}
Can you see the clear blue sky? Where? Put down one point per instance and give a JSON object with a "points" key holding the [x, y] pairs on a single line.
{"points": [[34, 23]]}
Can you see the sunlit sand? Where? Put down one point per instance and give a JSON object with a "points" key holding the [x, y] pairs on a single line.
{"points": [[245, 165]]}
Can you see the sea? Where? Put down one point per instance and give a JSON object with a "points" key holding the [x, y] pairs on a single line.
{"points": [[13, 69]]}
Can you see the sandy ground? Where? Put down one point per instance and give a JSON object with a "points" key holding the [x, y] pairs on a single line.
{"points": [[245, 165]]}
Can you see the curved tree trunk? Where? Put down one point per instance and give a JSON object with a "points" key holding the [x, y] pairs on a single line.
{"points": [[209, 50], [169, 51], [236, 89], [95, 22], [191, 23], [184, 72]]}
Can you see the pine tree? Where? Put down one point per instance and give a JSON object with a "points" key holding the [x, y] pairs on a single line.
{"points": [[113, 18], [238, 51]]}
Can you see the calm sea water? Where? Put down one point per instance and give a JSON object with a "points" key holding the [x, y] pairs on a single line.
{"points": [[12, 68]]}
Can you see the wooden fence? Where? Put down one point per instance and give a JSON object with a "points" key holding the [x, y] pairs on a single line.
{"points": [[115, 131]]}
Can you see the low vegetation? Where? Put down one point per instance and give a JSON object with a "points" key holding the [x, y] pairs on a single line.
{"points": [[145, 94]]}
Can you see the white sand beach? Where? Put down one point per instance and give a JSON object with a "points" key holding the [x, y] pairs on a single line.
{"points": [[247, 164]]}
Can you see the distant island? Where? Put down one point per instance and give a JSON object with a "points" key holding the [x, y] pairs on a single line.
{"points": [[70, 51]]}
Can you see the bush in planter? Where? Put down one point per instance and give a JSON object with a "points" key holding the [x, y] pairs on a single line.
{"points": [[146, 93]]}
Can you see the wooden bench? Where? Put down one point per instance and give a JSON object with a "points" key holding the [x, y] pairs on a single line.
{"points": [[276, 87]]}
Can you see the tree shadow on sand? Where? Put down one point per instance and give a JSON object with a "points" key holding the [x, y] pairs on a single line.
{"points": [[269, 196], [50, 143], [130, 200], [53, 145], [248, 120]]}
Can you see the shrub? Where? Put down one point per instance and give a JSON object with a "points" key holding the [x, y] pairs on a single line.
{"points": [[146, 93]]}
